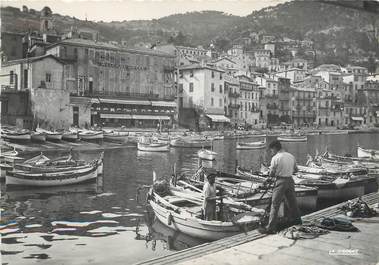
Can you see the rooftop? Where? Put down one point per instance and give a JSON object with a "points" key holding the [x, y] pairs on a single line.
{"points": [[200, 66], [32, 59], [108, 46]]}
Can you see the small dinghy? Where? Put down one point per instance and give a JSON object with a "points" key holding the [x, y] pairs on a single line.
{"points": [[251, 145], [57, 178], [292, 138], [149, 144], [91, 135], [70, 136], [38, 137], [191, 142], [185, 215], [206, 154], [21, 135], [362, 152], [50, 135]]}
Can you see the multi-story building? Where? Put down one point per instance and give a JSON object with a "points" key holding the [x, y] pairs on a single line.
{"points": [[130, 87], [262, 58], [284, 87], [303, 106], [269, 101], [236, 50], [294, 74], [202, 99], [249, 101], [11, 46], [294, 63], [228, 65], [39, 84], [356, 76], [232, 89], [330, 108]]}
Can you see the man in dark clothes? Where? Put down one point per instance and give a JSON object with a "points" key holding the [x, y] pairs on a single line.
{"points": [[283, 166]]}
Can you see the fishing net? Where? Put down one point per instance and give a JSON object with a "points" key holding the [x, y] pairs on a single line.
{"points": [[161, 187], [357, 208]]}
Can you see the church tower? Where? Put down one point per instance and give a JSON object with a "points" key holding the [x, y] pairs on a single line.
{"points": [[46, 20]]}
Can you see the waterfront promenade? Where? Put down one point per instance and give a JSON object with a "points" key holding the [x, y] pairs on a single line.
{"points": [[253, 248]]}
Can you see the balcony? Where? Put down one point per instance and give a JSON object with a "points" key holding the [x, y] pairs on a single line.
{"points": [[272, 106], [234, 94], [122, 95], [234, 106], [272, 96]]}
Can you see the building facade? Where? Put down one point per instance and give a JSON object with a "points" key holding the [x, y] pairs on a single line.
{"points": [[120, 87]]}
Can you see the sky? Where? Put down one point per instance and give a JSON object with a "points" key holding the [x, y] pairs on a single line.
{"points": [[119, 10]]}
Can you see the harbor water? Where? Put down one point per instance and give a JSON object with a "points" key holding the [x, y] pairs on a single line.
{"points": [[105, 222]]}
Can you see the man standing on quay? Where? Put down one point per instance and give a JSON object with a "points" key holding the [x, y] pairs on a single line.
{"points": [[283, 166]]}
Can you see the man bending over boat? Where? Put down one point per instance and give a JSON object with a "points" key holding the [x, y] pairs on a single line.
{"points": [[209, 203], [283, 166]]}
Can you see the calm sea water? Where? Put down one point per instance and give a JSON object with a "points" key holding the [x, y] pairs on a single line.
{"points": [[103, 223]]}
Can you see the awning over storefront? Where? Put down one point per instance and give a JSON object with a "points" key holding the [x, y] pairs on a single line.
{"points": [[151, 117], [121, 101], [357, 118], [133, 117], [164, 103], [116, 116], [218, 118]]}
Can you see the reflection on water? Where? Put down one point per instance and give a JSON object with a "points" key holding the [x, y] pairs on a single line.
{"points": [[102, 223]]}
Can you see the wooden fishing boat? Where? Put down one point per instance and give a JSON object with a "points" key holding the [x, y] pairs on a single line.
{"points": [[185, 215], [15, 135], [56, 178], [292, 138], [10, 153], [38, 137], [70, 136], [190, 142], [149, 144], [362, 152], [339, 189], [306, 196], [251, 145], [116, 136], [206, 154], [91, 135], [335, 170], [50, 135]]}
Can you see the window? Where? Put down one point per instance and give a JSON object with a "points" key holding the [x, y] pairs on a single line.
{"points": [[220, 102], [220, 76], [212, 87], [11, 77], [213, 74], [212, 102], [191, 87], [180, 88], [220, 88], [181, 74], [190, 101], [191, 73], [48, 77]]}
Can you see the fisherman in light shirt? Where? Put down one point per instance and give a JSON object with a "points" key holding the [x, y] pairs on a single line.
{"points": [[283, 166], [209, 203]]}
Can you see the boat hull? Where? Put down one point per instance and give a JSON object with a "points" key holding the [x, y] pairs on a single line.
{"points": [[292, 139], [367, 153], [54, 179], [38, 137], [153, 147], [70, 136], [190, 144], [250, 147], [206, 155], [95, 136], [16, 137], [193, 227], [53, 137]]}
